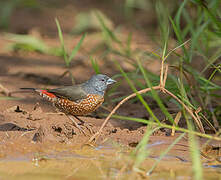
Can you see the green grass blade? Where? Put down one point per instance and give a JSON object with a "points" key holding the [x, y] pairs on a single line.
{"points": [[171, 51], [141, 151], [195, 38], [75, 50], [165, 126], [26, 43], [179, 12], [154, 93], [207, 84], [138, 95], [6, 10], [213, 18], [179, 36], [62, 42], [195, 154], [95, 65], [216, 55], [107, 31], [162, 15], [128, 47], [164, 153], [9, 98]]}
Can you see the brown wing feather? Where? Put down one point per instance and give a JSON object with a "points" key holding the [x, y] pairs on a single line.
{"points": [[73, 93]]}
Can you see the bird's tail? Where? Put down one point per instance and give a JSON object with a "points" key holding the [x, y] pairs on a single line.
{"points": [[24, 90], [41, 92], [28, 89]]}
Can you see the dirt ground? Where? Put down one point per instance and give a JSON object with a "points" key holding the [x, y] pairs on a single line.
{"points": [[30, 69], [30, 128], [33, 134]]}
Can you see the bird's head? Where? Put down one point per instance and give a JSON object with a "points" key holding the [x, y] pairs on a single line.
{"points": [[100, 82]]}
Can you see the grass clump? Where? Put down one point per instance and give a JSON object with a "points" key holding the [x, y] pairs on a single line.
{"points": [[68, 57], [193, 89]]}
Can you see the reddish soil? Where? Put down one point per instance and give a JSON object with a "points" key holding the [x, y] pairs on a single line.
{"points": [[31, 125], [27, 69]]}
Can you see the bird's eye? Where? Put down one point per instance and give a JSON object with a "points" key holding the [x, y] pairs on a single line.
{"points": [[102, 79]]}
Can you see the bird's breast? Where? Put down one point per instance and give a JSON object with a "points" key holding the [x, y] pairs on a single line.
{"points": [[82, 107]]}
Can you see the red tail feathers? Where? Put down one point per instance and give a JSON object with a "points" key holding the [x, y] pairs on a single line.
{"points": [[40, 91], [51, 95]]}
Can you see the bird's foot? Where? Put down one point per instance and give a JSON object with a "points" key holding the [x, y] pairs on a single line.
{"points": [[80, 128], [85, 124], [82, 125], [88, 126]]}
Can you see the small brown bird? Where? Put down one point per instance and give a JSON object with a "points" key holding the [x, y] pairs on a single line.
{"points": [[78, 99]]}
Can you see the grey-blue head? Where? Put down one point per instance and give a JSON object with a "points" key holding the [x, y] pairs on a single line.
{"points": [[98, 84]]}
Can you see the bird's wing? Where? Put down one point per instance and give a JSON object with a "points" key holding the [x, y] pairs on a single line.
{"points": [[73, 93]]}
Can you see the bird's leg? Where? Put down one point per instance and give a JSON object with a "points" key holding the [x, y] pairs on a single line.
{"points": [[76, 124], [87, 125], [82, 122]]}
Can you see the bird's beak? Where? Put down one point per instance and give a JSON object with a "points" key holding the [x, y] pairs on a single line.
{"points": [[110, 81]]}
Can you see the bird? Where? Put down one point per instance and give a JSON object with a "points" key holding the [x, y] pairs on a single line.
{"points": [[77, 100]]}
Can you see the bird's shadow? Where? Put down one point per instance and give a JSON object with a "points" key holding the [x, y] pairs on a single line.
{"points": [[13, 127]]}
